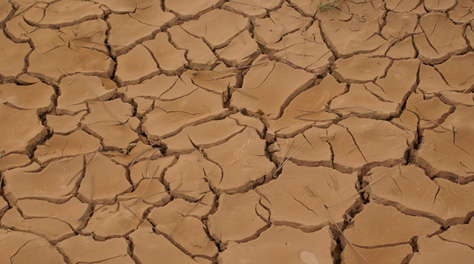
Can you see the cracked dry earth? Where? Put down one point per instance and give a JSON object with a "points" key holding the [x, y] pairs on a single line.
{"points": [[211, 131]]}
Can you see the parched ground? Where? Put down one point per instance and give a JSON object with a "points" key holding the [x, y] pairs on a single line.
{"points": [[238, 131]]}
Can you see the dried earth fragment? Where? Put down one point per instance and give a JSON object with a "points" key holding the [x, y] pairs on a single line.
{"points": [[85, 51], [384, 97], [30, 96], [179, 220], [76, 90], [3, 206], [399, 25], [50, 228], [269, 86], [440, 39], [387, 255], [304, 49], [151, 88], [282, 245], [22, 247], [402, 6], [138, 151], [470, 34], [456, 98], [171, 115], [115, 220], [49, 183], [242, 161], [253, 8], [189, 8], [408, 119], [64, 124], [399, 81], [169, 59], [362, 101], [5, 8], [217, 27], [144, 105], [14, 160], [85, 249], [20, 129], [17, 28], [411, 191], [203, 135], [150, 167], [68, 212], [62, 13], [310, 148], [148, 247], [286, 19], [448, 151], [459, 80], [360, 141], [103, 179], [362, 11], [88, 35], [119, 6], [402, 49], [199, 55], [430, 111], [151, 13], [217, 80], [111, 122], [460, 233], [429, 251], [306, 7], [13, 56], [379, 225], [247, 121], [188, 177], [360, 68], [135, 66], [434, 5], [349, 36], [238, 218], [180, 208], [307, 108], [299, 195], [182, 86], [150, 191], [127, 30], [462, 12], [59, 146], [240, 51], [431, 81]]}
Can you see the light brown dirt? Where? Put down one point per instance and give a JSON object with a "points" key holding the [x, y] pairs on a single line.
{"points": [[237, 131]]}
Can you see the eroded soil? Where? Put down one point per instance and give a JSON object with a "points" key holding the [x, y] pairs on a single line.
{"points": [[212, 131]]}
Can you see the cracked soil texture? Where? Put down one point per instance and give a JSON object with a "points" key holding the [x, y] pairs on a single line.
{"points": [[237, 131]]}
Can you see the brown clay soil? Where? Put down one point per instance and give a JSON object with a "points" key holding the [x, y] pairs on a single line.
{"points": [[246, 131]]}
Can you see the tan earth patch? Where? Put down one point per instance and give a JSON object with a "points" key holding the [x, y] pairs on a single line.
{"points": [[263, 81], [282, 244], [27, 248], [299, 196], [449, 153]]}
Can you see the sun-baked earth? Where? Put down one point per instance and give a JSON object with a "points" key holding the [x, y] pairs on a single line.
{"points": [[237, 131]]}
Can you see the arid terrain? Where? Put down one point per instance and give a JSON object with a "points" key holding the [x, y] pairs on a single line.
{"points": [[237, 131]]}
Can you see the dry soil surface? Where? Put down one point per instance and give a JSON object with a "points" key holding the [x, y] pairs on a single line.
{"points": [[238, 131]]}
